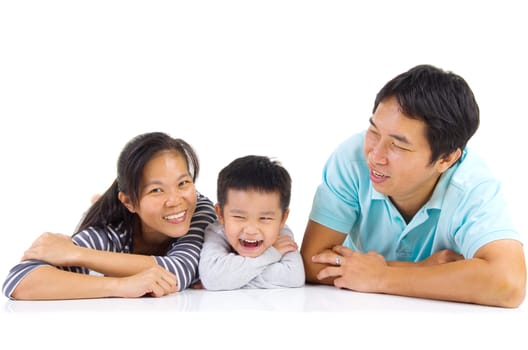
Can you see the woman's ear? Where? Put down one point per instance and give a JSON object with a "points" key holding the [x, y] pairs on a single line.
{"points": [[125, 199]]}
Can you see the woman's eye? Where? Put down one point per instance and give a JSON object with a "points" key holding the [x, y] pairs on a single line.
{"points": [[185, 183]]}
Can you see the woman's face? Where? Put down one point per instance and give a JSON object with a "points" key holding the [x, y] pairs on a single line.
{"points": [[167, 197]]}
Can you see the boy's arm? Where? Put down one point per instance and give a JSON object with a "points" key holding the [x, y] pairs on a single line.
{"points": [[221, 269], [288, 272]]}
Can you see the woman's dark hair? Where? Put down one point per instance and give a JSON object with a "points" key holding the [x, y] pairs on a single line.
{"points": [[130, 165], [254, 173], [443, 100]]}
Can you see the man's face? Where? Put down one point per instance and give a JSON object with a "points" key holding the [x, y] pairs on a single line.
{"points": [[399, 157]]}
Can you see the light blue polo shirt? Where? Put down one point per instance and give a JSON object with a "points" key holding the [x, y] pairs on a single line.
{"points": [[466, 210]]}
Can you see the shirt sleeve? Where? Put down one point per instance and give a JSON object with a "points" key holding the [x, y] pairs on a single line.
{"points": [[223, 269], [481, 220], [184, 253], [336, 203]]}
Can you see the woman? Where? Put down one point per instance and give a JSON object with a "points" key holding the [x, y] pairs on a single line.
{"points": [[152, 213]]}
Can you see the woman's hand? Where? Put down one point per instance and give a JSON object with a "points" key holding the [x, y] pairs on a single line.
{"points": [[154, 282], [54, 248]]}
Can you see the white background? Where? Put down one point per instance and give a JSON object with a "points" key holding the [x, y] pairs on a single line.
{"points": [[287, 79]]}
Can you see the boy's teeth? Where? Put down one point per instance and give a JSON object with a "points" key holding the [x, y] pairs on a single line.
{"points": [[250, 242]]}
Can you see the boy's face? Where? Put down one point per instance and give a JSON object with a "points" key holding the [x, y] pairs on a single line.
{"points": [[252, 220]]}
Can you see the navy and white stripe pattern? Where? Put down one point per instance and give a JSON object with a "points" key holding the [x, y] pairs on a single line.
{"points": [[181, 259], [184, 253]]}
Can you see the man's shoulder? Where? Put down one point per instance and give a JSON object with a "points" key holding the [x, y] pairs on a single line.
{"points": [[469, 182], [352, 143], [471, 171], [349, 153]]}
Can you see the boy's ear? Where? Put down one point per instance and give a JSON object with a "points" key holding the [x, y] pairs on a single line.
{"points": [[123, 198], [218, 211], [284, 218]]}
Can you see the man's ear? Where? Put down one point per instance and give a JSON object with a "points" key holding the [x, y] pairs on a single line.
{"points": [[218, 211], [125, 199], [446, 161]]}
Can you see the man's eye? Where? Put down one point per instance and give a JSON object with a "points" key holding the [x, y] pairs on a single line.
{"points": [[400, 147], [372, 132]]}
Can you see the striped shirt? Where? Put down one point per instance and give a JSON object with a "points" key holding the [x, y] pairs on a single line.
{"points": [[181, 259]]}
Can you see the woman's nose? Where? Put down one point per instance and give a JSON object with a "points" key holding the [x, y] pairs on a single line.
{"points": [[173, 199]]}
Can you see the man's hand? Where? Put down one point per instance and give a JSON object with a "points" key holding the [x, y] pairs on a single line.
{"points": [[352, 270], [441, 257]]}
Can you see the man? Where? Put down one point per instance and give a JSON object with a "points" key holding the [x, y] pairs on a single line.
{"points": [[406, 208]]}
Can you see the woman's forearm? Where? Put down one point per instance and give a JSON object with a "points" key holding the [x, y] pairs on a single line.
{"points": [[113, 264], [50, 283]]}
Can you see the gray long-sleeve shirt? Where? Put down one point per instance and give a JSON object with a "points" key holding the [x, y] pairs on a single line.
{"points": [[221, 268]]}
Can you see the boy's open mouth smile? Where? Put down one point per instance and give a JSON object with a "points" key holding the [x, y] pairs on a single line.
{"points": [[250, 243]]}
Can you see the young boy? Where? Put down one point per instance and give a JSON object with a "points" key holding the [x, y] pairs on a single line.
{"points": [[250, 246]]}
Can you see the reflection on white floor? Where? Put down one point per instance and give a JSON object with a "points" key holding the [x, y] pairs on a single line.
{"points": [[312, 317], [307, 299]]}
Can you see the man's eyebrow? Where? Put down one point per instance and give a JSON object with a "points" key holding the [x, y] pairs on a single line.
{"points": [[400, 138]]}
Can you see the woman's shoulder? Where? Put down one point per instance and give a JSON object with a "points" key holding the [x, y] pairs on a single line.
{"points": [[202, 199], [204, 206], [104, 237]]}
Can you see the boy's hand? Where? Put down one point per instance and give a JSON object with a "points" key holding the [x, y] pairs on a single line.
{"points": [[285, 244]]}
